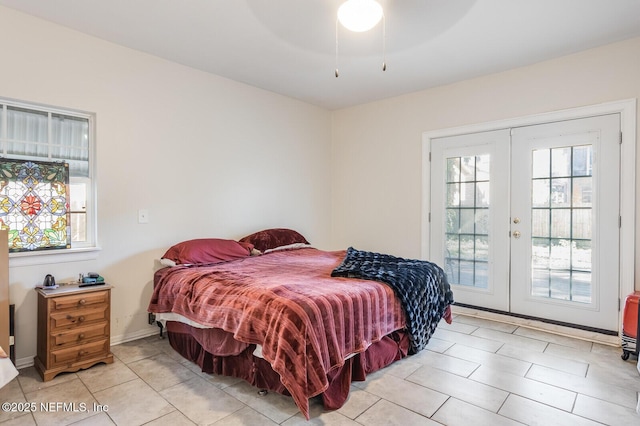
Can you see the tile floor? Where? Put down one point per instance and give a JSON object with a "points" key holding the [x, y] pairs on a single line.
{"points": [[474, 372]]}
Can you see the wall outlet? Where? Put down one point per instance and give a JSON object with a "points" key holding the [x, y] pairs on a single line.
{"points": [[143, 216]]}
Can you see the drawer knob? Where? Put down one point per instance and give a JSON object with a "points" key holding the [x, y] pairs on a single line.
{"points": [[82, 302], [81, 318], [81, 336]]}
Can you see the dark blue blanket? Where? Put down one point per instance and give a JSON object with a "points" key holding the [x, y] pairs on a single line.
{"points": [[421, 286]]}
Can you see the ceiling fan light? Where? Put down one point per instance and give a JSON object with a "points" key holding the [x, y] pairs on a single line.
{"points": [[359, 15]]}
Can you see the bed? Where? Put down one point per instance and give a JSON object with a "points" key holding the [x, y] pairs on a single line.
{"points": [[287, 317]]}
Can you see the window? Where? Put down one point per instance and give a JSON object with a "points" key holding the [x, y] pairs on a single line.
{"points": [[33, 132]]}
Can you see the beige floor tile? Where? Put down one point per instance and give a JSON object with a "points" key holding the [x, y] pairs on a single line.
{"points": [[134, 351], [484, 323], [526, 343], [466, 390], [405, 367], [12, 393], [468, 340], [605, 412], [438, 345], [458, 413], [458, 366], [527, 388], [545, 359], [320, 417], [65, 403], [608, 351], [582, 345], [174, 418], [273, 405], [200, 401], [410, 395], [23, 420], [584, 385], [617, 373], [104, 376], [489, 359], [585, 356], [359, 401], [245, 416], [133, 403], [385, 413], [161, 372], [30, 380], [220, 382], [536, 414], [457, 326], [100, 419]]}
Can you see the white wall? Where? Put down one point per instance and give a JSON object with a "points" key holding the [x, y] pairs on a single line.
{"points": [[208, 157], [377, 146]]}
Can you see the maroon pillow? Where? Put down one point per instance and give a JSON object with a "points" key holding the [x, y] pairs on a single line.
{"points": [[272, 238], [207, 250]]}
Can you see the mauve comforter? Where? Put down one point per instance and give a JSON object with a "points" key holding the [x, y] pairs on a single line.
{"points": [[306, 321]]}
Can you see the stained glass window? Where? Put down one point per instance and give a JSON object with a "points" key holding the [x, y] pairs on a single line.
{"points": [[34, 204]]}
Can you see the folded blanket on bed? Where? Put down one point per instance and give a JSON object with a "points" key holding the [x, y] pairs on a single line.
{"points": [[421, 286]]}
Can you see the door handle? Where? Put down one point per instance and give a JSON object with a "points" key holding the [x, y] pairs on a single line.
{"points": [[516, 234]]}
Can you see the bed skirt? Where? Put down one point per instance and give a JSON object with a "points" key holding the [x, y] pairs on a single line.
{"points": [[258, 372]]}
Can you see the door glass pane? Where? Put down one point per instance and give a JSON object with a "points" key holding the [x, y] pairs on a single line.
{"points": [[453, 169], [582, 191], [561, 162], [541, 166], [467, 169], [467, 220], [582, 160], [467, 194], [561, 223], [540, 223], [540, 253], [540, 192]]}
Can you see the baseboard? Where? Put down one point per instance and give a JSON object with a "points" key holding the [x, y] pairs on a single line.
{"points": [[539, 325], [141, 334], [24, 362]]}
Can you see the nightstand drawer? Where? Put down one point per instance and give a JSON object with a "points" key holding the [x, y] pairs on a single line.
{"points": [[76, 354], [79, 300], [77, 318], [79, 335]]}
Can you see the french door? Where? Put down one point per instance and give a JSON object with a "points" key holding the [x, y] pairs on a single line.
{"points": [[525, 220]]}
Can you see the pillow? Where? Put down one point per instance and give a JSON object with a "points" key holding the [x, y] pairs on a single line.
{"points": [[207, 250], [272, 238]]}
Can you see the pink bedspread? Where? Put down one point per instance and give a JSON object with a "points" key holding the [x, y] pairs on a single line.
{"points": [[306, 321]]}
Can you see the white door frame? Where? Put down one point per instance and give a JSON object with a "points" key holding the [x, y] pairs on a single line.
{"points": [[626, 109]]}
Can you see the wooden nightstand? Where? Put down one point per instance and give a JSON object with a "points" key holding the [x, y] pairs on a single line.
{"points": [[73, 329]]}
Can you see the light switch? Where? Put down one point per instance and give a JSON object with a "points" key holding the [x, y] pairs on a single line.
{"points": [[143, 216]]}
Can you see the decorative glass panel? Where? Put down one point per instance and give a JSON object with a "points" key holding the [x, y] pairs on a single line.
{"points": [[561, 224], [34, 204], [467, 216]]}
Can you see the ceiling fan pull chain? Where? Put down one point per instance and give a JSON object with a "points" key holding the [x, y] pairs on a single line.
{"points": [[336, 72], [384, 43]]}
